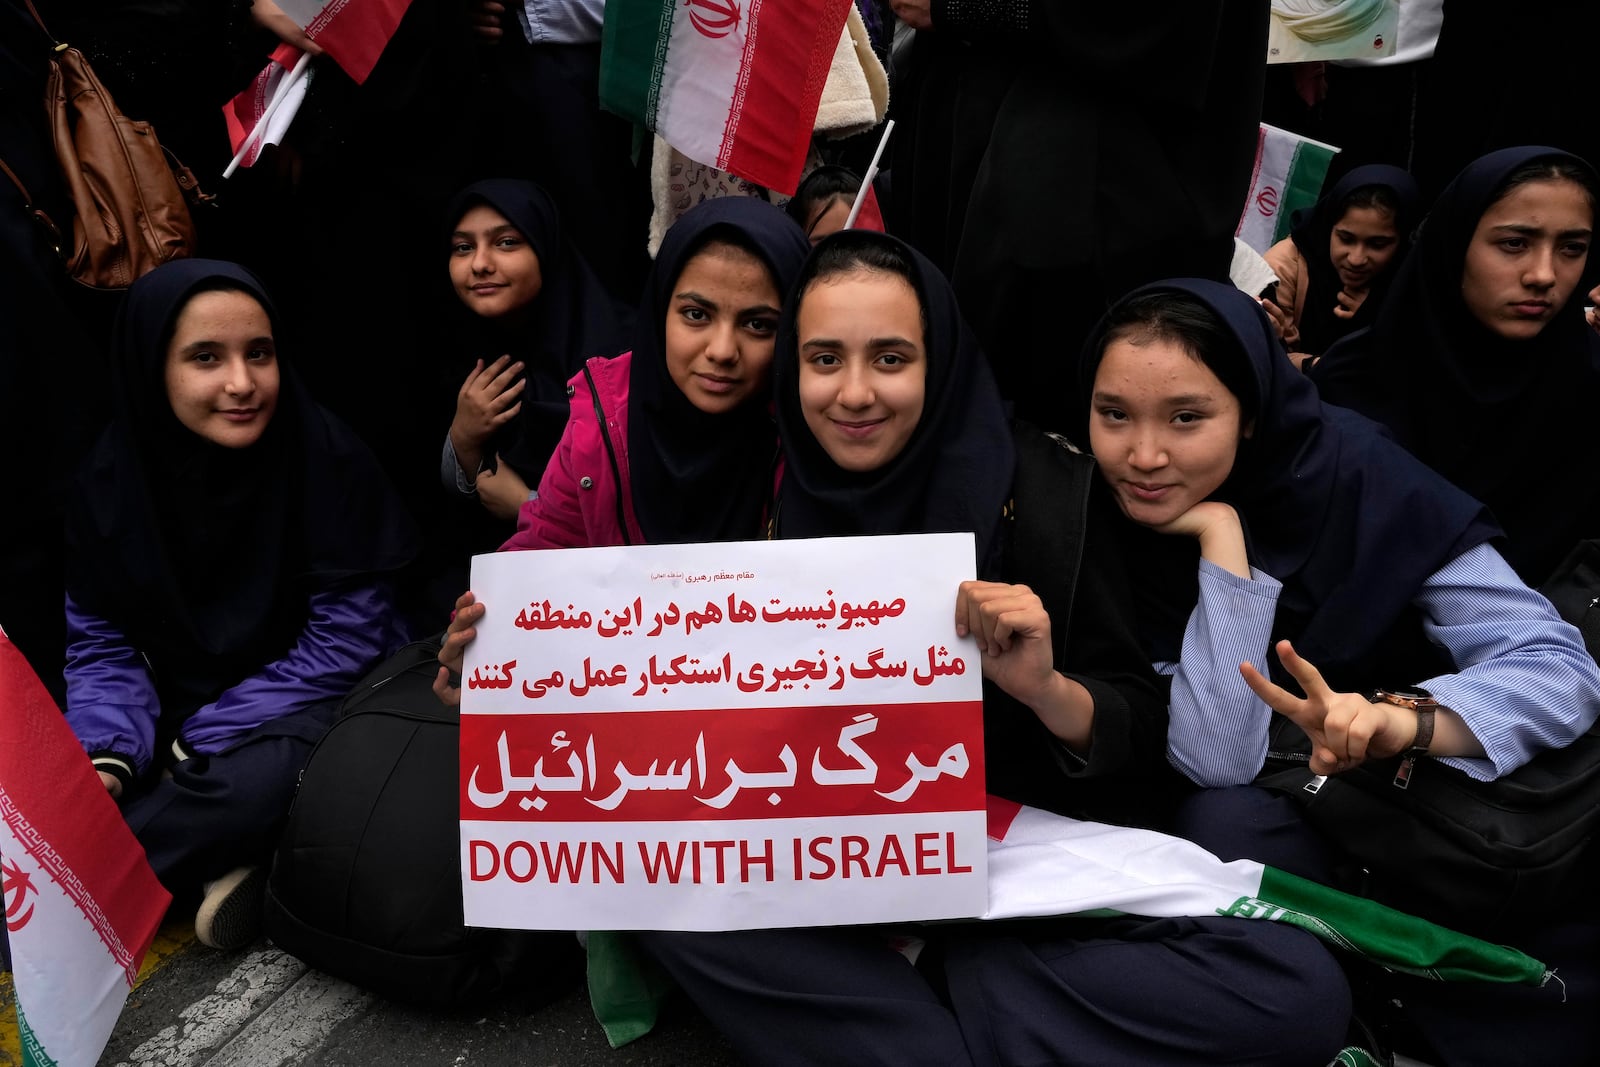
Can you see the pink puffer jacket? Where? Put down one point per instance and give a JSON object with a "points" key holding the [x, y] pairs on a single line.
{"points": [[584, 501]]}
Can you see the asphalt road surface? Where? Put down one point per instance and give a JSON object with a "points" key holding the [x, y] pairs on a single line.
{"points": [[259, 1007]]}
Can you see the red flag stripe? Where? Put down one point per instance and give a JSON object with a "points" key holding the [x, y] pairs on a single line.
{"points": [[354, 32], [870, 217], [775, 106], [1001, 814], [53, 801]]}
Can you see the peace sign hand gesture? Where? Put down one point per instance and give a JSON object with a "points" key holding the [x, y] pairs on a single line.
{"points": [[1345, 729]]}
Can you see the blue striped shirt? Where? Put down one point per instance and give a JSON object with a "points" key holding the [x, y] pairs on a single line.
{"points": [[1524, 682], [561, 21]]}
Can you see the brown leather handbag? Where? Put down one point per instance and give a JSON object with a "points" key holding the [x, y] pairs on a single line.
{"points": [[129, 201]]}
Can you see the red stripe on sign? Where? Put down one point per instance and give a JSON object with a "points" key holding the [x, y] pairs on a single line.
{"points": [[775, 105], [53, 801], [726, 763]]}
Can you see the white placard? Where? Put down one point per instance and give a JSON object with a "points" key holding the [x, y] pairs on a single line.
{"points": [[722, 736]]}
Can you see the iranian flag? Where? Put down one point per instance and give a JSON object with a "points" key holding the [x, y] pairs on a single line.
{"points": [[733, 84], [1043, 865], [1288, 177], [81, 903], [274, 97], [353, 32]]}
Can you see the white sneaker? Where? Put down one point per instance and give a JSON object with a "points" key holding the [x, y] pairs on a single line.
{"points": [[230, 913]]}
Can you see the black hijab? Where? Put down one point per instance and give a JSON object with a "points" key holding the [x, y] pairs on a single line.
{"points": [[955, 472], [204, 556], [1319, 326], [1344, 518], [572, 319], [1511, 422], [700, 477]]}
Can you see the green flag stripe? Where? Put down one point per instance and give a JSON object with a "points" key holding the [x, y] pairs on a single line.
{"points": [[1392, 938], [33, 1053], [632, 57], [1302, 185]]}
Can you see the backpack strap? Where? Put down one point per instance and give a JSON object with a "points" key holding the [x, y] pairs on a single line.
{"points": [[611, 453], [1050, 506]]}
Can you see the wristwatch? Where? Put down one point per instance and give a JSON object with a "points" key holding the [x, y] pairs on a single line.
{"points": [[1420, 701]]}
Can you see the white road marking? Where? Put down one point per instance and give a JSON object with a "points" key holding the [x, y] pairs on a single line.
{"points": [[295, 1026], [259, 980]]}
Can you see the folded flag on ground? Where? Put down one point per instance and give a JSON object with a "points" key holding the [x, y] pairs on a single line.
{"points": [[1043, 865]]}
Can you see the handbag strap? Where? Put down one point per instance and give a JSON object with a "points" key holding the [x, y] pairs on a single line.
{"points": [[611, 454], [27, 200], [35, 13], [38, 214]]}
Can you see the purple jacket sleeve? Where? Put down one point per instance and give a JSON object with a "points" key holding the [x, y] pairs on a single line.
{"points": [[347, 631], [111, 701]]}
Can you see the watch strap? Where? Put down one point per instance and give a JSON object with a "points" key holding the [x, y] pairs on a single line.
{"points": [[1424, 738]]}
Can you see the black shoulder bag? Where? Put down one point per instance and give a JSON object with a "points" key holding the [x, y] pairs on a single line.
{"points": [[1479, 856]]}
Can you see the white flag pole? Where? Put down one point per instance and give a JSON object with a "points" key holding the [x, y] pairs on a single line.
{"points": [[278, 97], [866, 182]]}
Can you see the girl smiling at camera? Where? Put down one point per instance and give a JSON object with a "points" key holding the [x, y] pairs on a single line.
{"points": [[229, 581], [536, 314]]}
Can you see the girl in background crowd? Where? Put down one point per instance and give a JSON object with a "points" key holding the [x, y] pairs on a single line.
{"points": [[1291, 537], [1481, 363], [228, 582], [822, 203], [891, 424], [673, 442], [1336, 265], [540, 313]]}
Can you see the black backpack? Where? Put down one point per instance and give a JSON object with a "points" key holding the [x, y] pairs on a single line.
{"points": [[366, 884], [1484, 857]]}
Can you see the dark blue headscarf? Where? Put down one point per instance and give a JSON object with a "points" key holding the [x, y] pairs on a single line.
{"points": [[1348, 521], [700, 477]]}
